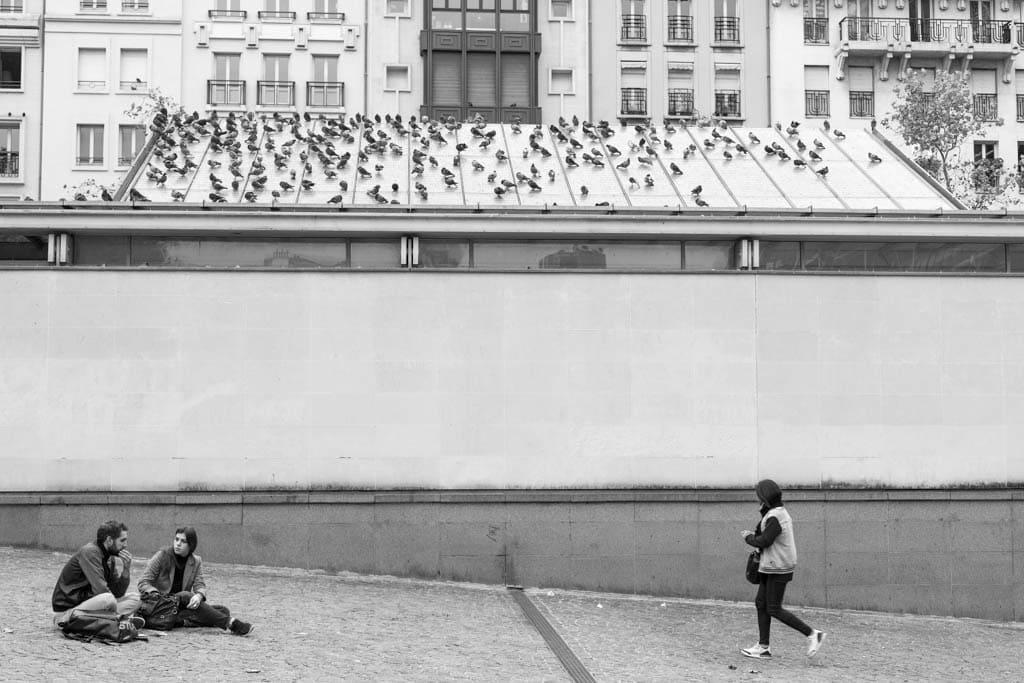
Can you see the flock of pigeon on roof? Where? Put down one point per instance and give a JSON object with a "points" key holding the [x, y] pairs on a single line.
{"points": [[364, 161]]}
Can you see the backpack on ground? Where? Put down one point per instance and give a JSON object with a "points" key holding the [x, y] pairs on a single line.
{"points": [[160, 611], [107, 627]]}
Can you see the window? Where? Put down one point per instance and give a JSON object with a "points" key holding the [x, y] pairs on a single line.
{"points": [[446, 15], [1019, 77], [325, 9], [481, 86], [11, 6], [325, 90], [275, 89], [633, 81], [983, 85], [90, 145], [816, 98], [862, 91], [680, 22], [561, 9], [634, 20], [397, 8], [727, 91], [921, 26], [987, 166], [228, 5], [276, 9], [131, 140], [134, 5], [226, 88], [858, 20], [515, 81], [10, 68], [480, 15], [28, 249], [446, 79], [228, 9], [92, 68], [10, 149], [396, 78], [680, 89], [884, 256], [93, 5], [134, 65], [727, 21], [562, 82], [514, 16], [816, 21]]}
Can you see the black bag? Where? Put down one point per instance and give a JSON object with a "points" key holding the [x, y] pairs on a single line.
{"points": [[104, 626], [160, 611], [753, 562]]}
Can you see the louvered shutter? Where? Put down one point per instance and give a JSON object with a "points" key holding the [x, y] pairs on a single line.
{"points": [[446, 83], [480, 80], [515, 80]]}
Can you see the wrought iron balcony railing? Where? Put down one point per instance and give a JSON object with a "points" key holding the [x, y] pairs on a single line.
{"points": [[275, 93], [1020, 113], [634, 102], [680, 28], [634, 27], [325, 16], [275, 14], [89, 160], [225, 93], [816, 103], [986, 107], [227, 14], [680, 102], [9, 164], [727, 29], [815, 31], [862, 103], [10, 85], [886, 30], [92, 4], [134, 5], [727, 104], [325, 94], [12, 7]]}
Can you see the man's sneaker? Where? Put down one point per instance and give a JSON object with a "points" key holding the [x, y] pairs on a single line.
{"points": [[814, 641], [137, 622], [240, 628], [759, 651]]}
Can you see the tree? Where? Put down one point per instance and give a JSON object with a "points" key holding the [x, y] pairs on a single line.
{"points": [[936, 122]]}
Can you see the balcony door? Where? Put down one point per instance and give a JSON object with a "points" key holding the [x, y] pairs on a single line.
{"points": [[920, 15], [275, 89], [858, 13]]}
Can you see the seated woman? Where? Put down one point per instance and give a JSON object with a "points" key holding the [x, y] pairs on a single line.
{"points": [[178, 571]]}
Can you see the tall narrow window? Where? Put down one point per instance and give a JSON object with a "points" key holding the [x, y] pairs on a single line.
{"points": [[92, 68], [226, 88], [862, 91], [324, 90], [446, 79], [727, 21], [515, 80], [728, 98], [480, 80], [134, 68], [680, 89], [10, 149], [90, 145], [275, 89], [1019, 79], [858, 20], [816, 21], [132, 140], [634, 20], [228, 5], [633, 81], [10, 68], [983, 85], [816, 98], [680, 21]]}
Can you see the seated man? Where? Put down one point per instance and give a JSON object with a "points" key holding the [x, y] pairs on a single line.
{"points": [[178, 571], [96, 578]]}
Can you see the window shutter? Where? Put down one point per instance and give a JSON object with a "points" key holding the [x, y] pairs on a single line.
{"points": [[815, 78], [1019, 75], [92, 65], [861, 79], [133, 65], [515, 80], [983, 81], [445, 78], [480, 81], [633, 74]]}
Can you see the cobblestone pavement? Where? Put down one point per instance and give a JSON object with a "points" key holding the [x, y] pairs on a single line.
{"points": [[317, 626]]}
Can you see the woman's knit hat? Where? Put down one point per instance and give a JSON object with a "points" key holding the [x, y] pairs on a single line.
{"points": [[768, 492]]}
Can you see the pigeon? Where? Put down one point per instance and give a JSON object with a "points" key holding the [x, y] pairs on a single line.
{"points": [[477, 166], [754, 140], [137, 196], [363, 172], [800, 145], [584, 191], [799, 163], [632, 182], [613, 150], [343, 185], [823, 171], [286, 185], [727, 155], [648, 180], [250, 196], [216, 198], [623, 164], [839, 134], [675, 169], [534, 187], [874, 158], [106, 196], [814, 156], [551, 175], [697, 190], [178, 195], [818, 144], [700, 202], [308, 184], [499, 190]]}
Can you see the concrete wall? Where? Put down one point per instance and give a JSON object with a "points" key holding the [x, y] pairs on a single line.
{"points": [[929, 552], [174, 381]]}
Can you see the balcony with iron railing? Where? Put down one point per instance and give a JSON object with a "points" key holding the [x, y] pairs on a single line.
{"points": [[815, 31], [727, 104], [680, 29], [9, 164], [862, 103], [92, 5], [930, 36], [10, 84], [816, 103], [89, 160], [238, 14], [12, 7], [680, 102], [325, 16], [275, 93], [325, 94], [634, 27], [986, 107], [92, 86], [634, 102], [727, 29], [225, 93], [275, 15], [137, 6]]}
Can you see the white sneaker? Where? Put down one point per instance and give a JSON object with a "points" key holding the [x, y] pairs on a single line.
{"points": [[759, 651], [814, 641]]}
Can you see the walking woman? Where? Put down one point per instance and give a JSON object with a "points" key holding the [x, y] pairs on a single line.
{"points": [[774, 537]]}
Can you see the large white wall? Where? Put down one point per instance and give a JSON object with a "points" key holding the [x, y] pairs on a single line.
{"points": [[178, 380]]}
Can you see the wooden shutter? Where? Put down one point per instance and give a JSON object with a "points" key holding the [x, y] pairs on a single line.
{"points": [[446, 81], [480, 80], [515, 81]]}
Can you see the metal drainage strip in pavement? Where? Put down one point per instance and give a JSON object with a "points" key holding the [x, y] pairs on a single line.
{"points": [[565, 655]]}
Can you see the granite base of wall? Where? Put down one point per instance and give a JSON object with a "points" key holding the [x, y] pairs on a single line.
{"points": [[944, 552]]}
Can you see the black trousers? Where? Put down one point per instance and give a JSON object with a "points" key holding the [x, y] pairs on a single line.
{"points": [[770, 592], [204, 615]]}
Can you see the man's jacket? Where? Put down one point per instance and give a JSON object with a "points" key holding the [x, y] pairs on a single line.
{"points": [[89, 572]]}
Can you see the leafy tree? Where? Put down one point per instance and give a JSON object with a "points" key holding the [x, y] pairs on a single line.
{"points": [[936, 122]]}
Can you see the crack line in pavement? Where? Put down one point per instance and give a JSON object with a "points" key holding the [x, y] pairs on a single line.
{"points": [[565, 655]]}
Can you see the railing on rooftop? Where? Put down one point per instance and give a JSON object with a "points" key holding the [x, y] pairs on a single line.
{"points": [[727, 104], [680, 102], [680, 28], [634, 27], [815, 30], [986, 107], [325, 94], [9, 166], [894, 29], [816, 103], [862, 103], [727, 29], [225, 93], [275, 93]]}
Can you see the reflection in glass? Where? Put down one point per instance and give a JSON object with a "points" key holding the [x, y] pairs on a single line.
{"points": [[376, 254], [1015, 255], [709, 255], [214, 253], [779, 255], [446, 20], [895, 256], [444, 254], [101, 251], [23, 248], [577, 255]]}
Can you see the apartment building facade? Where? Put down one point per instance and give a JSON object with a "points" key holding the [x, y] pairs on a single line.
{"points": [[840, 60], [20, 97]]}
